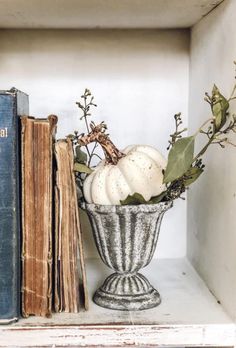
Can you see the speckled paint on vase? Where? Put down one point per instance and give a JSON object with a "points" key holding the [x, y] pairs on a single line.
{"points": [[126, 238]]}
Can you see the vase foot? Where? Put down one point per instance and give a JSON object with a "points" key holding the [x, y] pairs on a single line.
{"points": [[129, 292]]}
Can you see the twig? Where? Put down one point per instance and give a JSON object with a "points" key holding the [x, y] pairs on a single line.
{"points": [[178, 133], [200, 129], [85, 109]]}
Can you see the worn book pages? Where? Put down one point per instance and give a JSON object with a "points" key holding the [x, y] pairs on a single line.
{"points": [[70, 277], [37, 188]]}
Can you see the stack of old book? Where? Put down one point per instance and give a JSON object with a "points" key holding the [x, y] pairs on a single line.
{"points": [[41, 254]]}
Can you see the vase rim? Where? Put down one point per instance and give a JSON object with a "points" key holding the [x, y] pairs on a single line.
{"points": [[162, 206]]}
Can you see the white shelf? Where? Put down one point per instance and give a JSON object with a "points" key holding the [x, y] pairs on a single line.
{"points": [[185, 299], [188, 314], [94, 14], [135, 61]]}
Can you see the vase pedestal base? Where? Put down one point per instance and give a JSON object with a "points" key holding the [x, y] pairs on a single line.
{"points": [[128, 292]]}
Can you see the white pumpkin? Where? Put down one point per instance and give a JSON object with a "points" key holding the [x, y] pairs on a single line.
{"points": [[141, 171]]}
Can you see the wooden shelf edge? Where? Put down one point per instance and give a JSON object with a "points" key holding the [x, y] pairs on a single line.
{"points": [[105, 14], [218, 335]]}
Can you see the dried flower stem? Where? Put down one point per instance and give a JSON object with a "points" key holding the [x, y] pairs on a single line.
{"points": [[86, 113], [178, 133], [200, 130]]}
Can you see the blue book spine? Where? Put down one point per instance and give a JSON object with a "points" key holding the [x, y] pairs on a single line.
{"points": [[13, 104]]}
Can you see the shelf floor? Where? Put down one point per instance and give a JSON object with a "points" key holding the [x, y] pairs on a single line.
{"points": [[186, 299]]}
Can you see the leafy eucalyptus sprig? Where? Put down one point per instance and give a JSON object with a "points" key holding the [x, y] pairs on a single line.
{"points": [[183, 166]]}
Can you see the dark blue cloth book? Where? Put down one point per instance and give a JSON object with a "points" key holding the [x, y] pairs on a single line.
{"points": [[13, 104]]}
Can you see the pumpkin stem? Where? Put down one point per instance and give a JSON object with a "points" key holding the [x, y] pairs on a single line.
{"points": [[97, 134]]}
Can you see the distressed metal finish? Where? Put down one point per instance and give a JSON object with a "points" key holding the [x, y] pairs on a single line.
{"points": [[126, 238]]}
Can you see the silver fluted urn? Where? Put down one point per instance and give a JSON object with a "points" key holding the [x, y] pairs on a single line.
{"points": [[126, 238]]}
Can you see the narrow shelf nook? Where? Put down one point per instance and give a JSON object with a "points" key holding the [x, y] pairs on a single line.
{"points": [[161, 60]]}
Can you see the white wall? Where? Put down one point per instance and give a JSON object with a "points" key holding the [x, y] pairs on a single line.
{"points": [[139, 79], [212, 201]]}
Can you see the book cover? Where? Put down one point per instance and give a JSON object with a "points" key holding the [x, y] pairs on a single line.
{"points": [[69, 265], [13, 103], [37, 186]]}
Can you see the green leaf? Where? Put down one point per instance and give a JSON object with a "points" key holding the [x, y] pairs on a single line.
{"points": [[81, 156], [70, 136], [134, 199], [220, 107], [179, 159], [192, 175], [137, 198], [157, 199], [82, 168]]}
